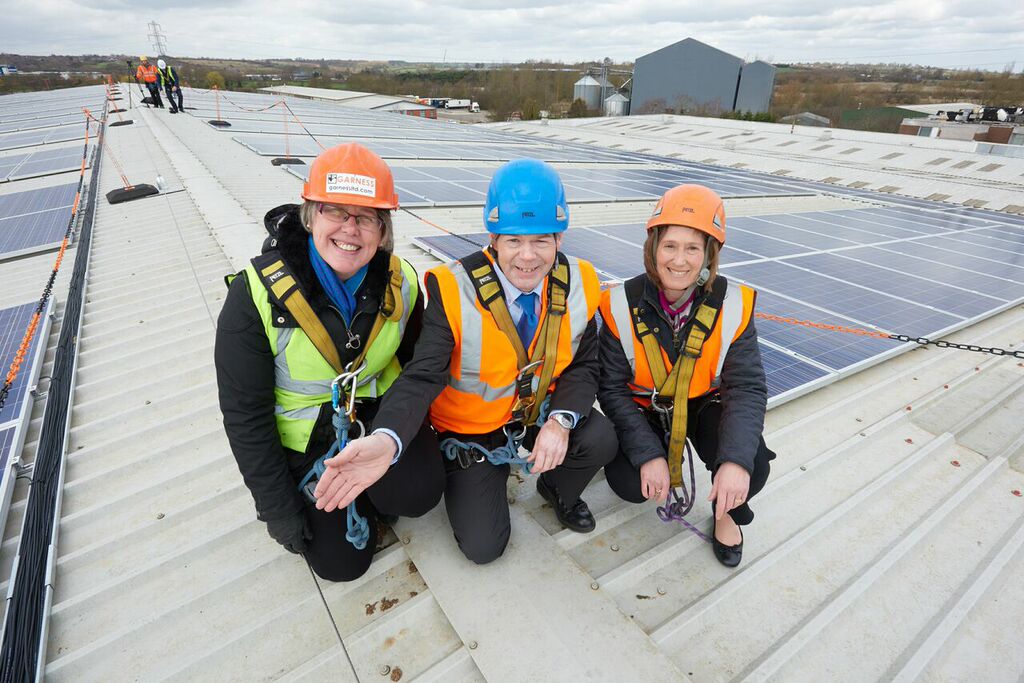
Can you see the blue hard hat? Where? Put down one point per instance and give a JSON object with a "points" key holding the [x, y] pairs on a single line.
{"points": [[526, 197]]}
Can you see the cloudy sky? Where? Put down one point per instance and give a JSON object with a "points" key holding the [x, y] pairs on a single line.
{"points": [[948, 33]]}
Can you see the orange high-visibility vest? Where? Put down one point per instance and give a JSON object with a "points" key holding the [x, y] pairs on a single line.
{"points": [[733, 318], [481, 377], [146, 73]]}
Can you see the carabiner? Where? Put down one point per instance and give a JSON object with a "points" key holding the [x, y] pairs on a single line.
{"points": [[657, 406], [517, 438]]}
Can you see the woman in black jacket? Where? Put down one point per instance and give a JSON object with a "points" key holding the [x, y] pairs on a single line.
{"points": [[680, 360], [326, 305]]}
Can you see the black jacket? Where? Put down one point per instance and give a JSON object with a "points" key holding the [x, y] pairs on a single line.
{"points": [[245, 367], [743, 390], [405, 405]]}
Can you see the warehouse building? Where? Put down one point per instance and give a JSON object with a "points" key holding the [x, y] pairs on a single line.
{"points": [[691, 76]]}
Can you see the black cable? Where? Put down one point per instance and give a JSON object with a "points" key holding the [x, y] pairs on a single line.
{"points": [[24, 622]]}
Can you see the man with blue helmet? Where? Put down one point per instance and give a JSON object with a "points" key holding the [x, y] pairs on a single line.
{"points": [[507, 358]]}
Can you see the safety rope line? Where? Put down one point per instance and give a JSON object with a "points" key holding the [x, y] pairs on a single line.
{"points": [[507, 454], [30, 331], [358, 527], [110, 153], [440, 227], [678, 505], [110, 98], [301, 124], [906, 338], [240, 107]]}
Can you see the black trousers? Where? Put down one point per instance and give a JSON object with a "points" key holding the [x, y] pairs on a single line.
{"points": [[411, 488], [476, 497], [703, 418], [171, 96], [154, 92]]}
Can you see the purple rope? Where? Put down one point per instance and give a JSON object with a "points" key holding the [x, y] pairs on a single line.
{"points": [[678, 505]]}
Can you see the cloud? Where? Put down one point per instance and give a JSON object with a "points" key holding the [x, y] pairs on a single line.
{"points": [[938, 32]]}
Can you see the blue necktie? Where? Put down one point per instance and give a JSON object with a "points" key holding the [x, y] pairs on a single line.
{"points": [[527, 324]]}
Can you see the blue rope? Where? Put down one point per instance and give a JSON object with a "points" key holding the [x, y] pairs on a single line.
{"points": [[502, 455], [358, 533]]}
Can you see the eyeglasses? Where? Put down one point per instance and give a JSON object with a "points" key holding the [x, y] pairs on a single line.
{"points": [[339, 216]]}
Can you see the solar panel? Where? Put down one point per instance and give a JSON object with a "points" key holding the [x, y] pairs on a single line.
{"points": [[784, 372], [35, 220], [42, 162], [15, 414], [43, 136]]}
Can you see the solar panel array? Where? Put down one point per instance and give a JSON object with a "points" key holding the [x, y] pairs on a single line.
{"points": [[437, 148], [868, 268], [36, 219], [902, 265], [454, 186]]}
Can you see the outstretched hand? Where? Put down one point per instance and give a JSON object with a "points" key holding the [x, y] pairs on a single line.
{"points": [[359, 465]]}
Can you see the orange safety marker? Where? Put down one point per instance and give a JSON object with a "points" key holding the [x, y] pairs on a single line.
{"points": [[129, 191], [287, 158], [218, 122]]}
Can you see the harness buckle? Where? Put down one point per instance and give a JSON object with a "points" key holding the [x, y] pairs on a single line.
{"points": [[466, 458]]}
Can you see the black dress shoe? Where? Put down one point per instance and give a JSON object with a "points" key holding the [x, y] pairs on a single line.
{"points": [[729, 555], [576, 516]]}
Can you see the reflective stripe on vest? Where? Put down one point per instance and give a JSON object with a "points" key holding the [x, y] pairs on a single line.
{"points": [[736, 312], [482, 373], [302, 377]]}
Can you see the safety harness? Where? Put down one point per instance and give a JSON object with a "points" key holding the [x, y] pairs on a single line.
{"points": [[526, 409], [284, 290], [670, 399]]}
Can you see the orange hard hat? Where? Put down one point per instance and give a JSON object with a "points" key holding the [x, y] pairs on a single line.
{"points": [[351, 174], [691, 206]]}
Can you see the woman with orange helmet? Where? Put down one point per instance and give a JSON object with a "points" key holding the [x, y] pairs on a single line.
{"points": [[680, 365], [313, 332]]}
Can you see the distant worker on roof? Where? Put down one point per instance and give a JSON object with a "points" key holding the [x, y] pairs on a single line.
{"points": [[312, 334], [171, 84], [680, 364], [149, 74], [507, 357]]}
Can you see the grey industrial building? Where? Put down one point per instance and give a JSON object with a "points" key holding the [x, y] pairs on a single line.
{"points": [[690, 75]]}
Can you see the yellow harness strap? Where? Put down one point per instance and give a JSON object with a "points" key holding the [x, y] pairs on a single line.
{"points": [[546, 350], [285, 289], [676, 383]]}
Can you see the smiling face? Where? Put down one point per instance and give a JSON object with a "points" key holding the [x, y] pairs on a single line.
{"points": [[679, 259], [346, 236], [526, 259]]}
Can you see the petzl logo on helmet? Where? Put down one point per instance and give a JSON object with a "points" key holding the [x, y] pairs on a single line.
{"points": [[351, 183]]}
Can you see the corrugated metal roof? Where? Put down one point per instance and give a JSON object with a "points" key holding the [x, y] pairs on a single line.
{"points": [[887, 545]]}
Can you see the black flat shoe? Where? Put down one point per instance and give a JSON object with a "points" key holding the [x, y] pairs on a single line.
{"points": [[576, 517], [729, 555]]}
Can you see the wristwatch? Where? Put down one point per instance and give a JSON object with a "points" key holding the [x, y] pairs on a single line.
{"points": [[564, 420]]}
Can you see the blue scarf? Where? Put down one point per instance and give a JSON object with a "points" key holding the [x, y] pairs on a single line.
{"points": [[342, 293]]}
